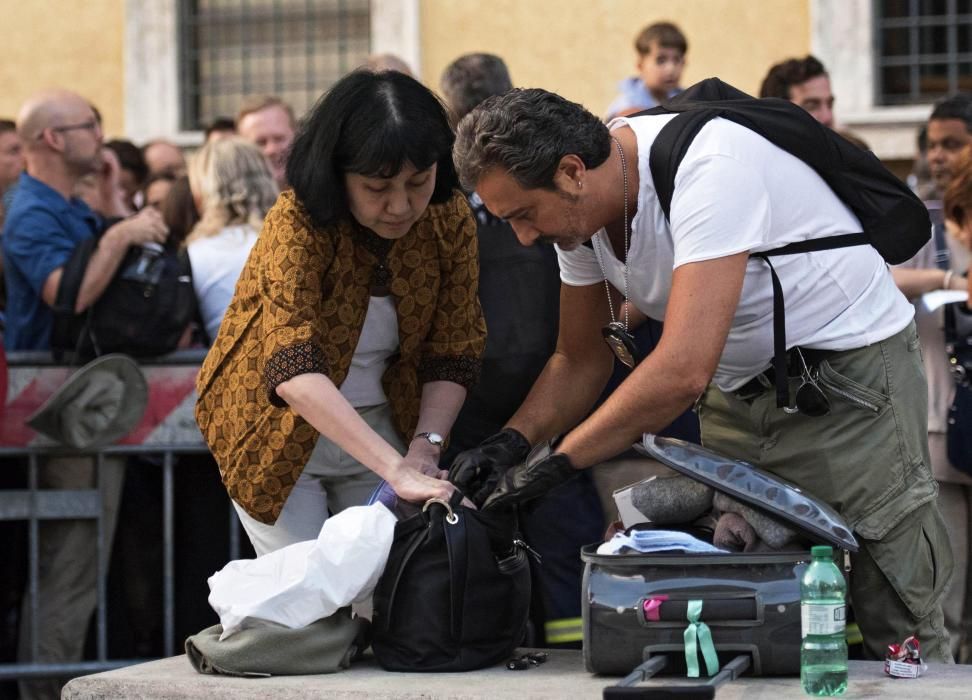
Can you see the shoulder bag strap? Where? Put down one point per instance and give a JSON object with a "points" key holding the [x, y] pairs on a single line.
{"points": [[72, 274]]}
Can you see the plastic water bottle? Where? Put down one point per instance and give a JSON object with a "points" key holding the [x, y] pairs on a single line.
{"points": [[823, 653], [143, 268]]}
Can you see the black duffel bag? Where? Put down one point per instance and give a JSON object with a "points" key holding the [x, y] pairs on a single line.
{"points": [[455, 593]]}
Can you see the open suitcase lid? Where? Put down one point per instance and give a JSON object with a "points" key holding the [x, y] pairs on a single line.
{"points": [[745, 482]]}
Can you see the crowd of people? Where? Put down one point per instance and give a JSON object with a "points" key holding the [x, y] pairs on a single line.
{"points": [[369, 318]]}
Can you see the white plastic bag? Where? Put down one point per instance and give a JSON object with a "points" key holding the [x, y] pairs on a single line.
{"points": [[306, 581]]}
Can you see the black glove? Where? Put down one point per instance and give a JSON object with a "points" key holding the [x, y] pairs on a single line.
{"points": [[476, 472], [527, 481]]}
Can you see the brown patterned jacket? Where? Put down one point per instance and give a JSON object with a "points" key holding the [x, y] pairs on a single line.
{"points": [[299, 307]]}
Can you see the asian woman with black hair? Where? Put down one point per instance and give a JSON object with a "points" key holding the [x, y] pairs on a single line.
{"points": [[355, 318]]}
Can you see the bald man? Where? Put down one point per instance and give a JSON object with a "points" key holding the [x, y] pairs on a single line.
{"points": [[45, 223], [62, 140]]}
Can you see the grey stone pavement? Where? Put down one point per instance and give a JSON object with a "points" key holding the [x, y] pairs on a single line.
{"points": [[563, 676]]}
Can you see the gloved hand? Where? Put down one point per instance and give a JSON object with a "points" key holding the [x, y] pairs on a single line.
{"points": [[527, 481], [476, 472]]}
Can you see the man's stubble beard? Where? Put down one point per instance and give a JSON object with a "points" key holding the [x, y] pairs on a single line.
{"points": [[79, 167], [573, 235]]}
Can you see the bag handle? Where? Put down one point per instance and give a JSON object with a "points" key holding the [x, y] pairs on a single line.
{"points": [[451, 516]]}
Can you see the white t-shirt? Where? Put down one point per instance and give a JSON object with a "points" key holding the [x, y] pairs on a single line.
{"points": [[736, 192], [376, 344], [216, 265]]}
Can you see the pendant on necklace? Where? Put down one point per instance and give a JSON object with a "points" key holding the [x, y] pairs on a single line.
{"points": [[622, 344]]}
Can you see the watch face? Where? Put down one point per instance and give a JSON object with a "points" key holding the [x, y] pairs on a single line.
{"points": [[433, 438]]}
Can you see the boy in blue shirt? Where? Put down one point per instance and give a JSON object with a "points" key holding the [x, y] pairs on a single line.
{"points": [[661, 57]]}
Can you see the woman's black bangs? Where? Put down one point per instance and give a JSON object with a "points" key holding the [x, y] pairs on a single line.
{"points": [[384, 154]]}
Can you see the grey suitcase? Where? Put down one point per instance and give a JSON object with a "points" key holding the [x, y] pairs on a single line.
{"points": [[750, 601]]}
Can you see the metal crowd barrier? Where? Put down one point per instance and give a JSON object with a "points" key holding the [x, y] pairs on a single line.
{"points": [[167, 428]]}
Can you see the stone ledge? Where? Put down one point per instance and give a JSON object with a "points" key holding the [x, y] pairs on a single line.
{"points": [[563, 676]]}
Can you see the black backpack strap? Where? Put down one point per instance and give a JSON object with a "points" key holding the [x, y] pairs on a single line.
{"points": [[667, 153], [779, 337], [844, 240], [779, 308], [669, 149], [65, 319]]}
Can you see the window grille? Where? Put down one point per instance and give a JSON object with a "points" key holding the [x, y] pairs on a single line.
{"points": [[295, 49], [924, 49]]}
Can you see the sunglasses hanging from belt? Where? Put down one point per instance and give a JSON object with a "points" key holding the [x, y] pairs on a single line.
{"points": [[810, 399]]}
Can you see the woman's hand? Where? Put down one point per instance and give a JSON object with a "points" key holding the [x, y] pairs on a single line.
{"points": [[418, 477], [416, 487], [423, 457]]}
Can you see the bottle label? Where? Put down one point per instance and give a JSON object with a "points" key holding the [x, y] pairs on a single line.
{"points": [[823, 618]]}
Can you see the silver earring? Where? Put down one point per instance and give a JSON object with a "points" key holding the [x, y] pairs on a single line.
{"points": [[580, 185]]}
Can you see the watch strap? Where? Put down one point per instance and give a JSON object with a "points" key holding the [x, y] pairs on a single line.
{"points": [[431, 438]]}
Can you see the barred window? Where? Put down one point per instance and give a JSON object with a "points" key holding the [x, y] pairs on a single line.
{"points": [[294, 49], [924, 49]]}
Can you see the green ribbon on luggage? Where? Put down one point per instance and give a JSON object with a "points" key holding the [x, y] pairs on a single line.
{"points": [[698, 638]]}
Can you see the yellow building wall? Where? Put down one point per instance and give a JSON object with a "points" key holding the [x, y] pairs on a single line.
{"points": [[579, 48], [74, 44], [583, 48]]}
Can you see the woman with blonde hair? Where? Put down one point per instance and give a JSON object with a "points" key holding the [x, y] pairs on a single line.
{"points": [[233, 189]]}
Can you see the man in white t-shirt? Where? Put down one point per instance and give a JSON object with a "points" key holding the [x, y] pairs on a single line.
{"points": [[556, 173]]}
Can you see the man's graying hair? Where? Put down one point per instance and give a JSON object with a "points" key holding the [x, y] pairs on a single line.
{"points": [[526, 132]]}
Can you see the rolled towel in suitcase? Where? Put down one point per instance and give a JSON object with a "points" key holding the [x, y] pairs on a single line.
{"points": [[732, 532], [770, 530]]}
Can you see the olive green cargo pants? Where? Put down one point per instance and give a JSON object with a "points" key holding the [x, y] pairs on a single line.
{"points": [[868, 459]]}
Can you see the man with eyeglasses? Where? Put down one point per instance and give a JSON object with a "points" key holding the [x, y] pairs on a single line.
{"points": [[46, 222], [855, 437]]}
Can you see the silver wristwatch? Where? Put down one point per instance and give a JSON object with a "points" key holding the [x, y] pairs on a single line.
{"points": [[433, 438]]}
